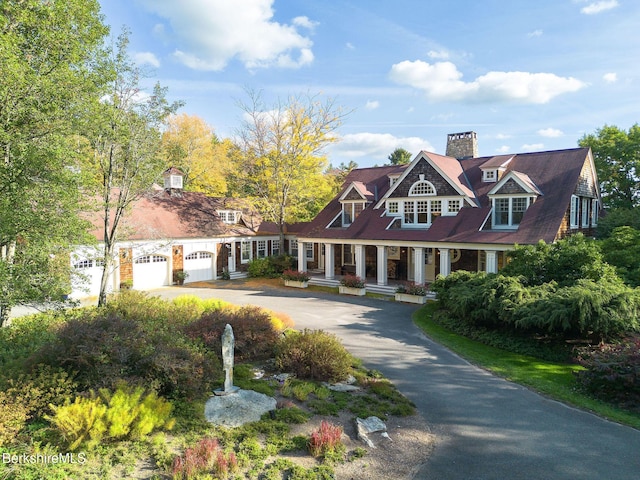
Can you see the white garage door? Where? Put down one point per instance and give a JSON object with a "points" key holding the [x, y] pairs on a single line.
{"points": [[150, 271], [199, 266], [87, 282]]}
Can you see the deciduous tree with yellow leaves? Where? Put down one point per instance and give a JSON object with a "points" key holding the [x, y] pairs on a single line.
{"points": [[280, 155]]}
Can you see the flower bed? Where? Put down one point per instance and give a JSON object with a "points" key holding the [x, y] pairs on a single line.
{"points": [[294, 278], [412, 292]]}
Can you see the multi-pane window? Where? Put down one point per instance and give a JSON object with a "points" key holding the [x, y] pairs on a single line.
{"points": [[261, 248], [293, 248], [348, 255], [309, 251], [509, 211], [83, 264], [501, 212], [423, 211], [392, 207], [408, 212], [518, 207], [151, 259], [198, 255], [422, 187], [275, 247], [245, 251], [594, 212], [453, 206], [229, 216], [436, 209], [350, 211]]}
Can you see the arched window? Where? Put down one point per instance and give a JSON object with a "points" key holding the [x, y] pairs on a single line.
{"points": [[421, 188]]}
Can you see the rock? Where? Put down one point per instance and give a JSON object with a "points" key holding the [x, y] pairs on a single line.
{"points": [[282, 377], [343, 387], [236, 409], [365, 427]]}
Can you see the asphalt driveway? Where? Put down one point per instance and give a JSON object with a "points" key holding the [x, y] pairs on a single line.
{"points": [[485, 427]]}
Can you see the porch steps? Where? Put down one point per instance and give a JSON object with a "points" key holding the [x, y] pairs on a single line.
{"points": [[237, 275], [324, 282], [381, 289]]}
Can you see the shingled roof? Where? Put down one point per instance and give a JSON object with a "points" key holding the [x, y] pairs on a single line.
{"points": [[554, 174]]}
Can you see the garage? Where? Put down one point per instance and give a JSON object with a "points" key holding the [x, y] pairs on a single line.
{"points": [[87, 281], [150, 271], [199, 266]]}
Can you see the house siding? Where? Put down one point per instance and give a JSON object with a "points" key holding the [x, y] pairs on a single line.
{"points": [[353, 195], [511, 187], [126, 265]]}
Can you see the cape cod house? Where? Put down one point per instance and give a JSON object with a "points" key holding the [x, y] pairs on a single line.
{"points": [[442, 213], [170, 231]]}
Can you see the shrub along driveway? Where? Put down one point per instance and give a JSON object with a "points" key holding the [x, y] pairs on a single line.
{"points": [[485, 427]]}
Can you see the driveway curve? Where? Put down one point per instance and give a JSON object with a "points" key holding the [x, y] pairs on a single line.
{"points": [[486, 428]]}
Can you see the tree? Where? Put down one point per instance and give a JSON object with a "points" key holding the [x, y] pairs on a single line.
{"points": [[400, 156], [124, 132], [47, 52], [280, 153], [191, 145], [617, 158]]}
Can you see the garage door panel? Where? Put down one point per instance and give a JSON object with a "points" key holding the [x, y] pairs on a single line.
{"points": [[199, 266], [150, 271]]}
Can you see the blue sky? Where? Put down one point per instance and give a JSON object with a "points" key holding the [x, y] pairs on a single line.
{"points": [[526, 75]]}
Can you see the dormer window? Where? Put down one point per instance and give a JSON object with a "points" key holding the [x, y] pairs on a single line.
{"points": [[508, 211], [230, 217], [173, 179], [489, 175], [350, 211]]}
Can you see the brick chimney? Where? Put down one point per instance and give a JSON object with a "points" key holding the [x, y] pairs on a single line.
{"points": [[462, 145]]}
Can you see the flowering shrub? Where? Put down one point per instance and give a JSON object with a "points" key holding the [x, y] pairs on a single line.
{"points": [[412, 288], [295, 275], [352, 281], [206, 456]]}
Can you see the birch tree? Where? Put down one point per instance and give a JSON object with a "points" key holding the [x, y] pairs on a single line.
{"points": [[124, 133]]}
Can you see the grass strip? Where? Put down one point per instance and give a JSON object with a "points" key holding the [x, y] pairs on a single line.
{"points": [[554, 380]]}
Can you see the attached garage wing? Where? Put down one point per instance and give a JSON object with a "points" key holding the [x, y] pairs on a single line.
{"points": [[199, 266], [150, 271]]}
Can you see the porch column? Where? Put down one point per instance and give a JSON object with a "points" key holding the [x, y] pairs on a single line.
{"points": [[302, 257], [445, 261], [382, 265], [214, 261], [231, 264], [360, 262], [492, 261], [329, 261], [418, 265]]}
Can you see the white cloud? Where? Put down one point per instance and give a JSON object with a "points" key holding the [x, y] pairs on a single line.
{"points": [[503, 136], [372, 104], [146, 58], [599, 7], [535, 33], [532, 147], [350, 46], [441, 54], [376, 147], [550, 133], [503, 149], [442, 81], [210, 33], [304, 22], [610, 77]]}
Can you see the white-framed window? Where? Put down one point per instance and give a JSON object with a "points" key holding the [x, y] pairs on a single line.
{"points": [[261, 248], [293, 248], [229, 217], [350, 211], [408, 209], [81, 264], [508, 211], [392, 207], [422, 210], [574, 212], [594, 212], [309, 251], [489, 176], [275, 247], [453, 206], [144, 259], [585, 212], [422, 188], [348, 255], [420, 213], [245, 251]]}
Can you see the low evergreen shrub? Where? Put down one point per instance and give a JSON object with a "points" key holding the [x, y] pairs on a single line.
{"points": [[314, 355]]}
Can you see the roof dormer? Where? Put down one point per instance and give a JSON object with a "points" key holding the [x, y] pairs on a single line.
{"points": [[494, 168], [173, 179]]}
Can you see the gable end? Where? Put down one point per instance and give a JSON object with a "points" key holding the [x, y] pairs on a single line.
{"points": [[423, 167]]}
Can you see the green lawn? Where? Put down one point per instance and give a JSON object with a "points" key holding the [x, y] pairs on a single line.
{"points": [[555, 380]]}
